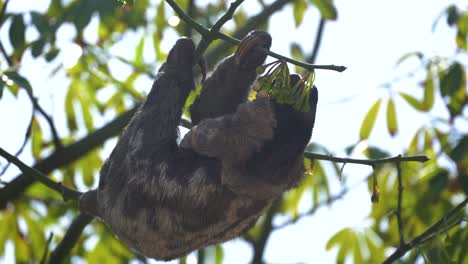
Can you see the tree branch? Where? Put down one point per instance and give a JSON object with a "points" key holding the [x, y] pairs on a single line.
{"points": [[370, 162], [218, 35], [191, 7], [436, 228], [66, 192], [71, 237]]}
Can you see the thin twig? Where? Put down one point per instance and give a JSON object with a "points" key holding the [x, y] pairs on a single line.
{"points": [[71, 237], [46, 249], [2, 19], [218, 35], [66, 192], [375, 187], [25, 141], [370, 162], [55, 137], [206, 40], [259, 244], [318, 41], [429, 233], [252, 23], [399, 208], [314, 209]]}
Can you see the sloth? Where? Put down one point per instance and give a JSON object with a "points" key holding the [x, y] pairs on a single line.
{"points": [[165, 199]]}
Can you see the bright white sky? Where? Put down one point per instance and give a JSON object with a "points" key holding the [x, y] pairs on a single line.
{"points": [[368, 37]]}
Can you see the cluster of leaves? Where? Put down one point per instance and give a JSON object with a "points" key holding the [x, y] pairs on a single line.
{"points": [[39, 211], [436, 183], [276, 84]]}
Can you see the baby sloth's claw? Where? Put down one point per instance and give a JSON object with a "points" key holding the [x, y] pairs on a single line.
{"points": [[247, 54]]}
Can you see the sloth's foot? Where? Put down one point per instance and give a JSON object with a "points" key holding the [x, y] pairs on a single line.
{"points": [[247, 55]]}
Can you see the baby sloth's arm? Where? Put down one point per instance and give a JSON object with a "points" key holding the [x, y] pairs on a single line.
{"points": [[233, 138]]}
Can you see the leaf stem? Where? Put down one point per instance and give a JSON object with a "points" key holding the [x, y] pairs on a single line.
{"points": [[218, 35]]}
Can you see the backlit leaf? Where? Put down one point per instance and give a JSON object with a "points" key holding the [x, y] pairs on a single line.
{"points": [[415, 103], [36, 237], [6, 220], [161, 17], [369, 120], [36, 139], [138, 59], [428, 98], [327, 9], [219, 254], [392, 124], [403, 58], [296, 51], [299, 8]]}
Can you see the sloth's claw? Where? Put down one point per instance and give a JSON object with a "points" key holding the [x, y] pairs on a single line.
{"points": [[247, 54]]}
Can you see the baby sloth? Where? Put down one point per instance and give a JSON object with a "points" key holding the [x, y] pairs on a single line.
{"points": [[165, 200]]}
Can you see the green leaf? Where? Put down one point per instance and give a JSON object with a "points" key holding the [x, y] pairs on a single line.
{"points": [[452, 15], [296, 51], [415, 103], [51, 54], [392, 124], [299, 8], [160, 19], [2, 87], [17, 31], [409, 55], [219, 254], [70, 108], [453, 80], [36, 139], [428, 98], [369, 120], [37, 47], [326, 8], [138, 59], [19, 80], [6, 220], [41, 22], [157, 47], [21, 247], [36, 237], [86, 111], [462, 33]]}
